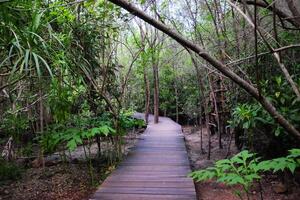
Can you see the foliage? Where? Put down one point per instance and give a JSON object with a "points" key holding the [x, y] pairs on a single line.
{"points": [[128, 122], [290, 162], [60, 101], [245, 168], [240, 169], [27, 150], [248, 115], [72, 136], [252, 117], [80, 128], [9, 171], [14, 123]]}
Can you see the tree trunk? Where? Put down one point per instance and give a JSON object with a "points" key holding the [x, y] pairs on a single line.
{"points": [[147, 95], [201, 99], [176, 95], [41, 111], [295, 10], [156, 93]]}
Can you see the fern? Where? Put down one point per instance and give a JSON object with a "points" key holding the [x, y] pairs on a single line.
{"points": [[245, 168]]}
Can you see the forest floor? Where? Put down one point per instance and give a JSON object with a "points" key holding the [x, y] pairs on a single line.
{"points": [[63, 181], [71, 181], [273, 189]]}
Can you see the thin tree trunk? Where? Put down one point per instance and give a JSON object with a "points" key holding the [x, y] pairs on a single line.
{"points": [[176, 95], [156, 93], [236, 32], [207, 129], [216, 110], [41, 111], [147, 95], [218, 28], [203, 98]]}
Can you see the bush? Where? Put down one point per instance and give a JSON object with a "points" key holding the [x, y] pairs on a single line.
{"points": [[9, 171]]}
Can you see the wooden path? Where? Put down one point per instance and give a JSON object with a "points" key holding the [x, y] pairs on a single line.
{"points": [[156, 169]]}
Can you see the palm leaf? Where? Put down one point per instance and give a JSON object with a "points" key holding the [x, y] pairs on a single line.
{"points": [[46, 65], [37, 64], [27, 58]]}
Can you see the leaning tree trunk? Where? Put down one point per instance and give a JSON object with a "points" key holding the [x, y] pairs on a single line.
{"points": [[269, 107]]}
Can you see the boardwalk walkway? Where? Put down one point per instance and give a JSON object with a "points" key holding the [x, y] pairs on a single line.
{"points": [[156, 169]]}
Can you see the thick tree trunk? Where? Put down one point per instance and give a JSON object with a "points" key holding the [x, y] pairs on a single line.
{"points": [[280, 13], [215, 63], [295, 10]]}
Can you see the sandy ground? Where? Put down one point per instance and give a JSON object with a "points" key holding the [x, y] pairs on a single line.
{"points": [[212, 190]]}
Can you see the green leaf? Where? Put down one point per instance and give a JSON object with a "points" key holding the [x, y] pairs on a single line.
{"points": [[95, 131], [278, 80], [36, 21], [277, 131], [72, 145], [294, 153], [252, 177], [232, 179], [292, 166], [46, 65], [202, 175], [26, 58], [37, 65]]}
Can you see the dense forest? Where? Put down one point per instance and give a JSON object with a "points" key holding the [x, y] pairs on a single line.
{"points": [[74, 73]]}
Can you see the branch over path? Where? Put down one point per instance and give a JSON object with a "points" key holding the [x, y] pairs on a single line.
{"points": [[269, 107]]}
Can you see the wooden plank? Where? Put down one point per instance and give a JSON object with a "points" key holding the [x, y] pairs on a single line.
{"points": [[173, 171], [143, 178], [157, 159], [147, 190], [157, 153], [152, 168], [137, 184], [141, 197], [156, 168]]}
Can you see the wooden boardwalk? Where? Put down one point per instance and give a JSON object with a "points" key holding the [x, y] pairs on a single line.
{"points": [[156, 169]]}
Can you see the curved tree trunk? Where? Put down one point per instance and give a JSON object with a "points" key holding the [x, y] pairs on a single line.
{"points": [[214, 62]]}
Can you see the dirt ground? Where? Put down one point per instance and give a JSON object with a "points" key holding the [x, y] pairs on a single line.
{"points": [[62, 181], [212, 190]]}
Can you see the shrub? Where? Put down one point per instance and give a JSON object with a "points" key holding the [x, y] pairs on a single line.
{"points": [[9, 171]]}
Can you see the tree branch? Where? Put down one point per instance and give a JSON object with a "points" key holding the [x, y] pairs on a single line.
{"points": [[214, 62]]}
